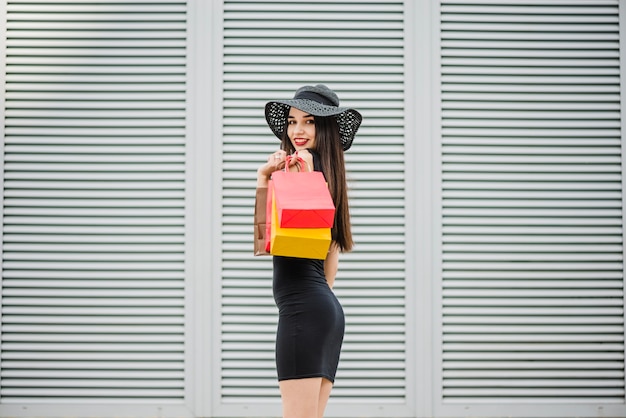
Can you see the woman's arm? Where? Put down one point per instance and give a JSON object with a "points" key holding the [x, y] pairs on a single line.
{"points": [[272, 164], [264, 172], [331, 264]]}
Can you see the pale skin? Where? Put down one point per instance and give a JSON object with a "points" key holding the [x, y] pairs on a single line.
{"points": [[302, 398]]}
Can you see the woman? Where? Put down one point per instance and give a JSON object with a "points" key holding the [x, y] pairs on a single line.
{"points": [[311, 321]]}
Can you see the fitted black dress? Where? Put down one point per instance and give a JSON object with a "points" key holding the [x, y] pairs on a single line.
{"points": [[310, 319]]}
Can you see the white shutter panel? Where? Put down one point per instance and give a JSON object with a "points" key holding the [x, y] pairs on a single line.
{"points": [[93, 244], [532, 205], [356, 48]]}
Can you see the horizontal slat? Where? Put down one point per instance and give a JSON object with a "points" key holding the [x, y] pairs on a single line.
{"points": [[529, 36], [351, 6], [517, 87], [98, 329], [581, 8], [98, 308], [535, 53], [548, 25], [86, 13], [15, 124], [78, 392], [543, 347], [589, 312], [93, 194], [164, 357], [514, 257], [588, 317], [161, 383], [93, 265], [92, 347], [530, 194], [91, 338], [97, 130], [612, 277], [95, 203], [531, 356], [537, 295], [574, 401], [87, 25], [139, 79], [276, 34], [124, 97], [144, 294], [112, 116], [534, 45], [557, 366], [94, 239], [92, 9], [506, 80], [538, 392], [91, 369], [348, 21], [532, 383], [535, 265], [160, 88], [237, 54], [92, 320], [484, 337], [555, 303]]}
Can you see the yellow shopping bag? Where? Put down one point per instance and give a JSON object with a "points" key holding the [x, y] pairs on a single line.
{"points": [[298, 242]]}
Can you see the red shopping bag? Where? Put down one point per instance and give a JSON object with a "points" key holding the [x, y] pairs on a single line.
{"points": [[302, 200]]}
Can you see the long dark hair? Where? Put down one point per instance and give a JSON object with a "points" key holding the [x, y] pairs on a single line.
{"points": [[328, 147]]}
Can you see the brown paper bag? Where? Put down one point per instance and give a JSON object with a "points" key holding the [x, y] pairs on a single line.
{"points": [[260, 214]]}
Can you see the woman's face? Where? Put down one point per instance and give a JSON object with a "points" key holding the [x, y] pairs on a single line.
{"points": [[301, 129]]}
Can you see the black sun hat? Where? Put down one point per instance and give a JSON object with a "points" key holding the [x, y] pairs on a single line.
{"points": [[316, 100]]}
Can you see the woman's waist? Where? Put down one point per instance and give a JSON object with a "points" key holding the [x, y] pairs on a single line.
{"points": [[303, 285], [303, 295]]}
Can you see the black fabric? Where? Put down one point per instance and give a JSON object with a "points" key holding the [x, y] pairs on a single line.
{"points": [[317, 164], [311, 95], [310, 318]]}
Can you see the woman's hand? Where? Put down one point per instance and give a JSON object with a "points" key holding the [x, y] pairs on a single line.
{"points": [[275, 162], [308, 159]]}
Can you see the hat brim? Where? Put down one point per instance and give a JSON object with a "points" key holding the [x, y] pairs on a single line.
{"points": [[348, 119]]}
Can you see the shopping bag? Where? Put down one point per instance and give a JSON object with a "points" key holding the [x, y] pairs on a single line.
{"points": [[303, 200], [268, 218], [261, 231], [298, 242]]}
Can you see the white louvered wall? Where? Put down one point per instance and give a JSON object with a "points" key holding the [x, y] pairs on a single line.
{"points": [[93, 227], [356, 48], [533, 283]]}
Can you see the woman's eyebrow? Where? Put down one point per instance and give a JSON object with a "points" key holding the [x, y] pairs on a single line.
{"points": [[305, 116]]}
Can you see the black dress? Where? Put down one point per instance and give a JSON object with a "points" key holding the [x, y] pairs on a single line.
{"points": [[310, 319]]}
